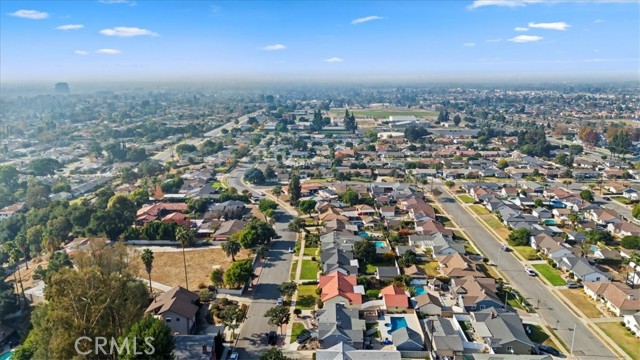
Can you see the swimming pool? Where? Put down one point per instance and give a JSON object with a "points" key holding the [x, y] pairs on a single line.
{"points": [[420, 290], [5, 356], [397, 323], [380, 244], [363, 234], [594, 248]]}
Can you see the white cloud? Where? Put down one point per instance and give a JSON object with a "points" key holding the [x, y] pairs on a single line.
{"points": [[494, 40], [560, 25], [520, 28], [123, 31], [333, 60], [108, 51], [70, 27], [597, 21], [80, 52], [366, 19], [469, 44], [274, 47], [30, 14], [525, 38]]}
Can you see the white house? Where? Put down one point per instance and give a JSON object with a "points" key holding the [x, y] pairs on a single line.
{"points": [[633, 322], [630, 194]]}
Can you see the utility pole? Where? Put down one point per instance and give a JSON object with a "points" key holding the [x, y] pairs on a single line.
{"points": [[573, 339]]}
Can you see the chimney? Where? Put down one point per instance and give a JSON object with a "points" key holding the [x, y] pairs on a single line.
{"points": [[630, 296]]}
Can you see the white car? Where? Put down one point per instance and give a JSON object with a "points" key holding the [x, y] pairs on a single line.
{"points": [[280, 301], [290, 251], [530, 272]]}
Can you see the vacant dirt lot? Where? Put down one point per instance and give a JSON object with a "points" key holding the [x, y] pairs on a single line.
{"points": [[169, 270]]}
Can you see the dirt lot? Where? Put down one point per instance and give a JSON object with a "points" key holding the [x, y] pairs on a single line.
{"points": [[27, 280], [168, 267]]}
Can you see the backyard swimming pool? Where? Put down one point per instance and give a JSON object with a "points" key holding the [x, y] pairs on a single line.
{"points": [[420, 290], [5, 356], [381, 244], [396, 323]]}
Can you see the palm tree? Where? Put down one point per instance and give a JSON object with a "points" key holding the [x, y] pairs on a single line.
{"points": [[231, 248], [147, 260], [186, 237], [574, 218]]}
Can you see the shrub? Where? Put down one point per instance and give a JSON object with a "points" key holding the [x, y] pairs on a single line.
{"points": [[318, 291], [372, 293], [297, 312], [319, 303]]}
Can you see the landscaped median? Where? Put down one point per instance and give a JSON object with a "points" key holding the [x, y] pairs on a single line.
{"points": [[552, 275]]}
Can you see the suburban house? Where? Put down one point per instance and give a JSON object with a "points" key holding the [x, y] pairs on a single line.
{"points": [[624, 228], [456, 265], [475, 293], [338, 324], [342, 351], [228, 228], [444, 337], [338, 288], [428, 304], [633, 322], [502, 331], [438, 243], [581, 268], [619, 298], [395, 299], [177, 308], [630, 194]]}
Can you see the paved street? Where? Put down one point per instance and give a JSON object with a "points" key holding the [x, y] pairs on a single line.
{"points": [[587, 345], [276, 271]]}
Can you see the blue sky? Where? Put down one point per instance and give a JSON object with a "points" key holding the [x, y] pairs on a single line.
{"points": [[351, 40]]}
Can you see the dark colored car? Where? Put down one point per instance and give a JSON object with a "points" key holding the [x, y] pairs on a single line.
{"points": [[303, 337], [606, 198], [548, 350], [272, 338]]}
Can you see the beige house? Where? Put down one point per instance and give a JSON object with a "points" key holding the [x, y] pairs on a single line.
{"points": [[177, 307]]}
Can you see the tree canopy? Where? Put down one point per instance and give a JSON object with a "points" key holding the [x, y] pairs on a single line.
{"points": [[365, 251], [254, 176], [238, 273], [519, 237]]}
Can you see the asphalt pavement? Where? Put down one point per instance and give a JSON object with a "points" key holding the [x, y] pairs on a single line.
{"points": [[551, 309]]}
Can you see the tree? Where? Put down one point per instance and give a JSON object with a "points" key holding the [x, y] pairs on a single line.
{"points": [[147, 260], [102, 297], [296, 224], [457, 120], [269, 173], [273, 353], [503, 164], [124, 207], [410, 258], [255, 176], [197, 206], [598, 235], [153, 340], [574, 218], [217, 277], [364, 250], [350, 122], [294, 189], [185, 149], [287, 289], [238, 273], [307, 206], [586, 195], [630, 242], [231, 316], [636, 211], [255, 232], [278, 316], [538, 203], [186, 237], [519, 237], [139, 196], [350, 197], [231, 248], [44, 166], [37, 196], [266, 204], [449, 183], [276, 191]]}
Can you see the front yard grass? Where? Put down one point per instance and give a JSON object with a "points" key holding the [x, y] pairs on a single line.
{"points": [[431, 268], [581, 301], [306, 297], [551, 274], [309, 270], [445, 221], [538, 335], [526, 252], [310, 251], [622, 337], [466, 199], [469, 248], [294, 267], [298, 328], [480, 210], [623, 200]]}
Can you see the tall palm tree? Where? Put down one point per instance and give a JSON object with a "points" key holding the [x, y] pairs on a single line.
{"points": [[231, 248], [147, 260], [186, 237]]}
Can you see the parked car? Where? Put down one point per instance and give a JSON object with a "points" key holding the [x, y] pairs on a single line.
{"points": [[548, 350], [574, 285], [234, 356], [606, 198], [530, 272], [303, 337], [272, 338], [280, 301], [505, 248], [290, 251]]}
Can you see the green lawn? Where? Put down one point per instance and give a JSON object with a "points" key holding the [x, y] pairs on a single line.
{"points": [[294, 267], [493, 222], [437, 210], [306, 297], [298, 328], [466, 199], [218, 185], [469, 248], [309, 270], [445, 221], [371, 268], [458, 235], [513, 300], [480, 210], [581, 301], [310, 251], [622, 337], [526, 252], [539, 336], [623, 200], [550, 274]]}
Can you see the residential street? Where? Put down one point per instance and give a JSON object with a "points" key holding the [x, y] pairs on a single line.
{"points": [[587, 345], [276, 271]]}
